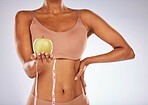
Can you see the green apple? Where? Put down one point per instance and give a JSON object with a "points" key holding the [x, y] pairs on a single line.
{"points": [[42, 45]]}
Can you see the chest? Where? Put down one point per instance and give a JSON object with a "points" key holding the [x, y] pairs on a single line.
{"points": [[58, 23]]}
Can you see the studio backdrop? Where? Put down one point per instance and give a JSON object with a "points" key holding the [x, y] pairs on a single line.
{"points": [[115, 83]]}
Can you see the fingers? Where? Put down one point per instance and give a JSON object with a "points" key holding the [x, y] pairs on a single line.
{"points": [[83, 83], [47, 56], [42, 57], [81, 70], [51, 56], [39, 57], [79, 74], [34, 56], [82, 79]]}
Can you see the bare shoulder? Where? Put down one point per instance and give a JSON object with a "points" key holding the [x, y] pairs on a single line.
{"points": [[86, 13], [23, 15], [88, 16]]}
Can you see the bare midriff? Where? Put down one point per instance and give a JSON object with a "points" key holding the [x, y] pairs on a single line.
{"points": [[66, 88]]}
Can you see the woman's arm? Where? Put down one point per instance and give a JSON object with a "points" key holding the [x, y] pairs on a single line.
{"points": [[121, 49], [23, 42]]}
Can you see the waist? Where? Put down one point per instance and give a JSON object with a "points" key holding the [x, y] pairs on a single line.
{"points": [[66, 87]]}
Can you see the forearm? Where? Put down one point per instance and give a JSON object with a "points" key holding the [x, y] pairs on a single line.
{"points": [[118, 54], [30, 68]]}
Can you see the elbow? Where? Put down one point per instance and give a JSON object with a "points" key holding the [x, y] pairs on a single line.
{"points": [[30, 76], [27, 70], [130, 54]]}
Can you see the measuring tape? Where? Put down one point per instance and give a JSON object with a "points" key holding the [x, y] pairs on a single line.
{"points": [[54, 82]]}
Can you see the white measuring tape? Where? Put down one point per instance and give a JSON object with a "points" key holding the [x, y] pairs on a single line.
{"points": [[54, 81], [36, 83], [53, 86]]}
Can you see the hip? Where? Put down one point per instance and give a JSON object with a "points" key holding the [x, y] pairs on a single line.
{"points": [[81, 99], [63, 92]]}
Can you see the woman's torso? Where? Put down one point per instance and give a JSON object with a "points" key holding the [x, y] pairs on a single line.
{"points": [[66, 69], [66, 87]]}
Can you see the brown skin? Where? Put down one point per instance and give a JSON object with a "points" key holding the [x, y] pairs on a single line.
{"points": [[67, 88]]}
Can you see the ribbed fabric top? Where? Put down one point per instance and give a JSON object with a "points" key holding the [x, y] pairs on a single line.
{"points": [[68, 44]]}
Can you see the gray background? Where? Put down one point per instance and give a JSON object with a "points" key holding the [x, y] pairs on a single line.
{"points": [[117, 83]]}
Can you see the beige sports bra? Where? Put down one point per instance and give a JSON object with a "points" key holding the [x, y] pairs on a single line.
{"points": [[68, 44]]}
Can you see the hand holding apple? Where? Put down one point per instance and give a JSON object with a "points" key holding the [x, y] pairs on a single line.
{"points": [[39, 61], [42, 52], [42, 48], [42, 57]]}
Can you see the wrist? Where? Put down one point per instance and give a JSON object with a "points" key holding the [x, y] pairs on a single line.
{"points": [[87, 61]]}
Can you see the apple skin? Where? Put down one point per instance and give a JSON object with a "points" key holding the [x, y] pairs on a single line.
{"points": [[42, 45]]}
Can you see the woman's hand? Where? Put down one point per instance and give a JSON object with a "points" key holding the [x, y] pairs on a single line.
{"points": [[41, 59], [83, 64]]}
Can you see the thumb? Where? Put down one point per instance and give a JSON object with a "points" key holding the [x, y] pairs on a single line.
{"points": [[79, 74], [81, 69]]}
